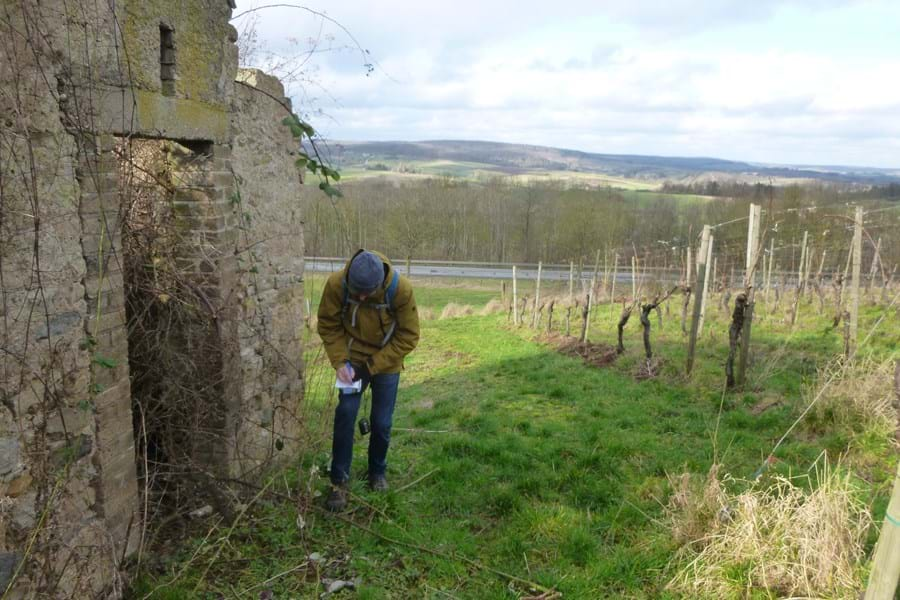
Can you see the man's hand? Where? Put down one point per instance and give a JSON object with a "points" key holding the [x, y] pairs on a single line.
{"points": [[345, 374]]}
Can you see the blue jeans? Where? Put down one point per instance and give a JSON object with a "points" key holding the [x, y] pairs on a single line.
{"points": [[384, 396]]}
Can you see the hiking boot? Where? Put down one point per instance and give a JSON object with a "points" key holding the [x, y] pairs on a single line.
{"points": [[337, 497], [378, 483]]}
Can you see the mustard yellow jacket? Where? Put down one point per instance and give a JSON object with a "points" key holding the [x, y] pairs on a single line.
{"points": [[360, 340]]}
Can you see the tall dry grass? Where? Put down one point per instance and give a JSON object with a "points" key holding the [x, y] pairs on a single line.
{"points": [[789, 538], [454, 310], [493, 307], [861, 397]]}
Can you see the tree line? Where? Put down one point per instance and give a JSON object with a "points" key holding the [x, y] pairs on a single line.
{"points": [[505, 220]]}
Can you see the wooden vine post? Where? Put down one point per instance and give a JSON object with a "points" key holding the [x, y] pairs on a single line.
{"points": [[749, 287], [699, 284], [589, 305], [709, 277], [606, 271], [768, 277], [854, 284], [615, 275], [515, 300], [873, 270], [537, 295], [886, 561], [801, 278], [817, 281], [634, 278], [688, 268]]}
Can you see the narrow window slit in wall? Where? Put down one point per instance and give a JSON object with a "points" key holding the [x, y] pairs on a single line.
{"points": [[167, 59]]}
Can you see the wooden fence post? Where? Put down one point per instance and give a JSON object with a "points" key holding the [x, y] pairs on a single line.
{"points": [[699, 283], [886, 561], [854, 284], [571, 278], [749, 286]]}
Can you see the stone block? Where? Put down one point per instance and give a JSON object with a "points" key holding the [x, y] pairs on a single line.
{"points": [[113, 398], [57, 325], [70, 451], [20, 485], [9, 561], [69, 420], [106, 321], [10, 456]]}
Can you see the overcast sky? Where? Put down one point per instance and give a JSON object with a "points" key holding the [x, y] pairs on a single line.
{"points": [[801, 82]]}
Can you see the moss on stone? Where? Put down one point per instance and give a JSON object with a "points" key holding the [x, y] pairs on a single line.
{"points": [[200, 37], [179, 117]]}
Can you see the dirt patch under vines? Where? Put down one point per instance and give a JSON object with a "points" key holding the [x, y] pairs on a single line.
{"points": [[598, 355]]}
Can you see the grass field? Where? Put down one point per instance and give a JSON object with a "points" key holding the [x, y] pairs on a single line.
{"points": [[515, 466]]}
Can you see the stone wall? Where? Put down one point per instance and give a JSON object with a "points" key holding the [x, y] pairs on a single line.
{"points": [[79, 78], [271, 259], [59, 504]]}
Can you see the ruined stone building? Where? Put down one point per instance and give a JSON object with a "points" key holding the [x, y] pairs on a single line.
{"points": [[151, 261]]}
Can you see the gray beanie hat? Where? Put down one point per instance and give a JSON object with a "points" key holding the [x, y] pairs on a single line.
{"points": [[366, 273]]}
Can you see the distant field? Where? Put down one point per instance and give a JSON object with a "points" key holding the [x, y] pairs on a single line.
{"points": [[644, 196], [474, 171], [635, 190]]}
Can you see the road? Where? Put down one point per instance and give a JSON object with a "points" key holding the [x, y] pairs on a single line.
{"points": [[480, 272], [475, 270]]}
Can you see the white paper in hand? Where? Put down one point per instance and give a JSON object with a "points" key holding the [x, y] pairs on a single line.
{"points": [[348, 388]]}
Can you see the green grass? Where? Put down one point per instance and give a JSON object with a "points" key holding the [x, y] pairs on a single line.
{"points": [[430, 293], [534, 464]]}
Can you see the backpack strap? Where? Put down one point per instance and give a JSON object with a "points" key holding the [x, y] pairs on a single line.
{"points": [[389, 294], [391, 291]]}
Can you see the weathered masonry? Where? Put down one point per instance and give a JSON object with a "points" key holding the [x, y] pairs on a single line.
{"points": [[151, 260]]}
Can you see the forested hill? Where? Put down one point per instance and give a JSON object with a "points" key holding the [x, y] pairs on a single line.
{"points": [[519, 158]]}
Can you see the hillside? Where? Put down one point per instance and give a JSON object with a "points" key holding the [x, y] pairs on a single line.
{"points": [[465, 158]]}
